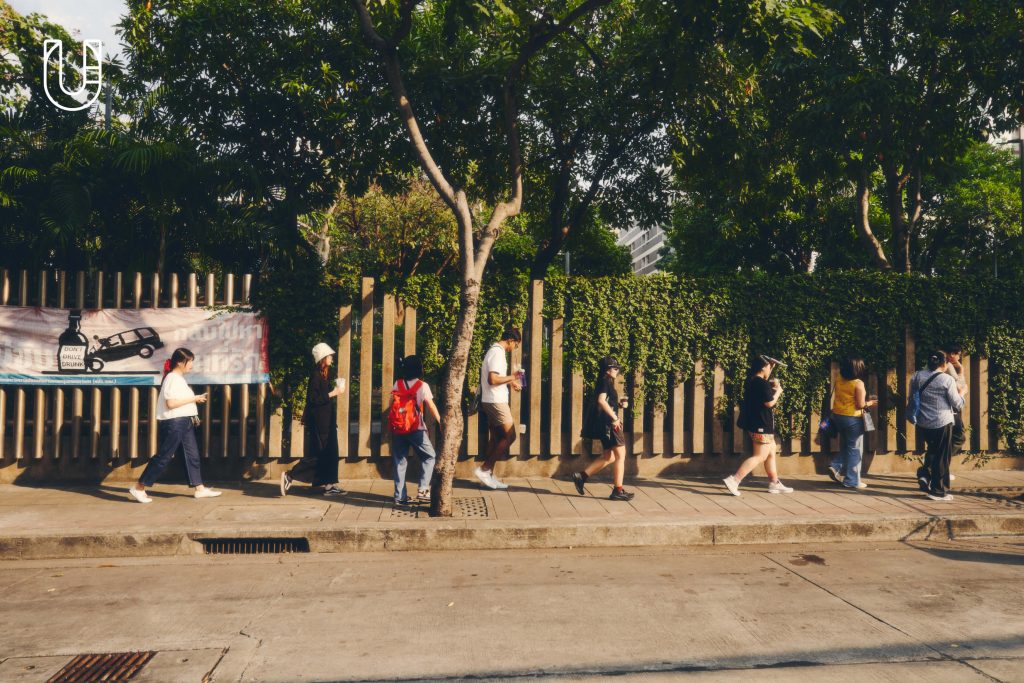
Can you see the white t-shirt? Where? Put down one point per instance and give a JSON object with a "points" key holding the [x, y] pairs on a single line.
{"points": [[494, 361], [422, 394], [175, 386]]}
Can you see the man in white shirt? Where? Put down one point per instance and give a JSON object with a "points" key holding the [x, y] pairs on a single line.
{"points": [[494, 396]]}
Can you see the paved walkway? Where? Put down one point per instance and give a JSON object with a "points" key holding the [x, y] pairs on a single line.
{"points": [[534, 512]]}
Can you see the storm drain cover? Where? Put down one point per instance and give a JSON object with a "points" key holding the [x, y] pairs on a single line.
{"points": [[253, 546], [462, 507], [114, 666], [1012, 496], [470, 507]]}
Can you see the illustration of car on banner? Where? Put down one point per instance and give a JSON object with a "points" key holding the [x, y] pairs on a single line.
{"points": [[141, 342]]}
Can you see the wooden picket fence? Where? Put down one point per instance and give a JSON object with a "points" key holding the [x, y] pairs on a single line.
{"points": [[114, 424]]}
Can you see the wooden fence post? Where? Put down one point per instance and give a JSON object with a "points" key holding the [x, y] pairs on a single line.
{"points": [[210, 299], [555, 420], [364, 446], [535, 325], [387, 371], [344, 371], [39, 419], [226, 397]]}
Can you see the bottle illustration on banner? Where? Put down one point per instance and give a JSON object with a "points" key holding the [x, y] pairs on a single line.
{"points": [[72, 345]]}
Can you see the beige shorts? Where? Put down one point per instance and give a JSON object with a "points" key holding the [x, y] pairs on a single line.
{"points": [[498, 415]]}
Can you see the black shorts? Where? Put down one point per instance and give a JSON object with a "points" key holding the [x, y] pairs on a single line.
{"points": [[611, 438]]}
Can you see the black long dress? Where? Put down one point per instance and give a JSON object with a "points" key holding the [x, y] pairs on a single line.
{"points": [[320, 437]]}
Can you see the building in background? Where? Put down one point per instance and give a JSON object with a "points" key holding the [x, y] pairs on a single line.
{"points": [[644, 246]]}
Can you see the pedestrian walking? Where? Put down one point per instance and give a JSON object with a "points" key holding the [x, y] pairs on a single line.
{"points": [[177, 418], [760, 394], [849, 399], [604, 423], [319, 464], [494, 397], [410, 395], [954, 355], [938, 400]]}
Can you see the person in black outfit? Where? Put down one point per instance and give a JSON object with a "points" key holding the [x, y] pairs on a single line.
{"points": [[319, 464], [605, 424], [756, 417]]}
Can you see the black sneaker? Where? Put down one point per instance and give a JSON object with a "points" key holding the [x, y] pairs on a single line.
{"points": [[333, 490], [577, 480], [620, 495], [922, 483]]}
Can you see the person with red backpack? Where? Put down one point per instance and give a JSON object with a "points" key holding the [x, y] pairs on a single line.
{"points": [[410, 395]]}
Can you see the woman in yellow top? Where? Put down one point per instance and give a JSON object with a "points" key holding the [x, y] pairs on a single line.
{"points": [[848, 403]]}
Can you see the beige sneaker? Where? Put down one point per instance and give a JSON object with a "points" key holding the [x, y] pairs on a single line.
{"points": [[206, 493], [732, 485], [140, 496]]}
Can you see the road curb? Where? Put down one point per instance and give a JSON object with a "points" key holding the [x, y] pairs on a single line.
{"points": [[434, 534]]}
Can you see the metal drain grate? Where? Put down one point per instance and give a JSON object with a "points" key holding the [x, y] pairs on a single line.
{"points": [[471, 507], [253, 546], [112, 667], [407, 511], [1012, 496]]}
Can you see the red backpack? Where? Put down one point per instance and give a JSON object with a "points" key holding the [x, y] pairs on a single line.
{"points": [[404, 415]]}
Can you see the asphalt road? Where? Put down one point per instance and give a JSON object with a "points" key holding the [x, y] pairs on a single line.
{"points": [[945, 611]]}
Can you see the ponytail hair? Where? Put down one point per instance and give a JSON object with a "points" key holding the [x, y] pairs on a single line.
{"points": [[179, 357]]}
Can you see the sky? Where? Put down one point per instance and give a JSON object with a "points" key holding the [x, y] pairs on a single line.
{"points": [[86, 19]]}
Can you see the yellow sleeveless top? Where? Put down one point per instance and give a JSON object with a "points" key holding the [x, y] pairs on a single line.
{"points": [[842, 401]]}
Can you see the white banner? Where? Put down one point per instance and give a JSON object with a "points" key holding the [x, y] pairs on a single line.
{"points": [[129, 346]]}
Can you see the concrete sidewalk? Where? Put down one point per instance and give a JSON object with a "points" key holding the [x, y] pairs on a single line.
{"points": [[101, 521]]}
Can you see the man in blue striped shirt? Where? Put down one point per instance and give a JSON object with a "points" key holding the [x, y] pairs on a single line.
{"points": [[940, 399]]}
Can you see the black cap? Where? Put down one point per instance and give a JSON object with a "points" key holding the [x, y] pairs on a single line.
{"points": [[607, 363]]}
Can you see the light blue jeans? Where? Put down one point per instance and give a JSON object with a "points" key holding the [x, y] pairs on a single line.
{"points": [[400, 445], [851, 447]]}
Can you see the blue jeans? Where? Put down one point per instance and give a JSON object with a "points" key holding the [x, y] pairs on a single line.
{"points": [[400, 445], [851, 440], [173, 434]]}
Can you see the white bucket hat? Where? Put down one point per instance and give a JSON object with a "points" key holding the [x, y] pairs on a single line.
{"points": [[321, 351]]}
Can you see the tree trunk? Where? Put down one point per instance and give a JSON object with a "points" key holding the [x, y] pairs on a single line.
{"points": [[894, 204], [867, 237], [451, 394]]}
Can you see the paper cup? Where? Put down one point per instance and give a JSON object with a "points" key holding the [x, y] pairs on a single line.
{"points": [[340, 383]]}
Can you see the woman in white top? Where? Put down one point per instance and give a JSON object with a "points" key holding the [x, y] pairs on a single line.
{"points": [[176, 417]]}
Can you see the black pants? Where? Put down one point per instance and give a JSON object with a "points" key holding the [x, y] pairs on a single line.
{"points": [[938, 451], [959, 437], [319, 464]]}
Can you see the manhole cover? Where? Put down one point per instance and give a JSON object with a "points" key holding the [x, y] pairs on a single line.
{"points": [[406, 511], [461, 507], [471, 507], [1008, 495], [114, 666]]}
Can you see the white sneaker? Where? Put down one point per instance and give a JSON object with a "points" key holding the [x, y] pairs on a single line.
{"points": [[732, 485], [140, 496], [860, 485], [778, 487], [206, 493], [498, 483], [944, 498], [486, 478]]}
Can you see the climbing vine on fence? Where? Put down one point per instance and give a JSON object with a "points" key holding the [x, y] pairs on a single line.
{"points": [[661, 324]]}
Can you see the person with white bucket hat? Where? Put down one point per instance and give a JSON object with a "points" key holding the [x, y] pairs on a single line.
{"points": [[319, 464]]}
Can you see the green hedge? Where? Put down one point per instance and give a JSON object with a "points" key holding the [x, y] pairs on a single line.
{"points": [[662, 324]]}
